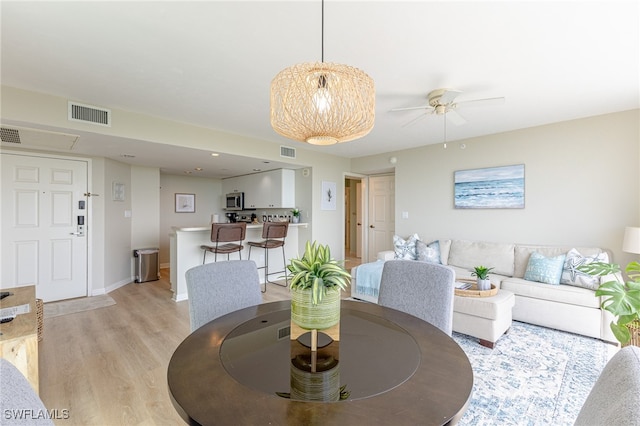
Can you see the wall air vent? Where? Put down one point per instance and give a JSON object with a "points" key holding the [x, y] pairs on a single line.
{"points": [[89, 114], [284, 332], [10, 135], [287, 151]]}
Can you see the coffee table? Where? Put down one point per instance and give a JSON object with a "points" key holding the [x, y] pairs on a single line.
{"points": [[397, 368]]}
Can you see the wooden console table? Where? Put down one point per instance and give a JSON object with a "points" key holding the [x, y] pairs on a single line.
{"points": [[19, 338]]}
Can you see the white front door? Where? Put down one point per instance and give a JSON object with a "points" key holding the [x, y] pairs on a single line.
{"points": [[381, 214], [43, 243]]}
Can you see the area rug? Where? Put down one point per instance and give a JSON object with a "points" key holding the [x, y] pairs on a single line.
{"points": [[534, 376], [65, 307]]}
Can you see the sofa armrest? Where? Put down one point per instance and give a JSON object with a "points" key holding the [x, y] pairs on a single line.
{"points": [[386, 255]]}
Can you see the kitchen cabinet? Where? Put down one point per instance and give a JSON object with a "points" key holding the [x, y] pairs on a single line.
{"points": [[274, 189]]}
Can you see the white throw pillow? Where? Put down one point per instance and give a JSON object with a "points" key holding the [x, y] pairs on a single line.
{"points": [[572, 276], [405, 249]]}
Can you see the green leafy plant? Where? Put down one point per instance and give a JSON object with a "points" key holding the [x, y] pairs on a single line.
{"points": [[318, 271], [482, 272], [295, 212], [620, 298]]}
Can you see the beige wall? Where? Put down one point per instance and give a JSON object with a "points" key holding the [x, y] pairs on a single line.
{"points": [[582, 184]]}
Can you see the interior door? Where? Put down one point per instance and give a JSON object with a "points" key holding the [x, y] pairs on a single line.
{"points": [[359, 209], [44, 214], [381, 214]]}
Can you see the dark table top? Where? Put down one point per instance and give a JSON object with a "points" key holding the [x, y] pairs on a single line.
{"points": [[243, 368]]}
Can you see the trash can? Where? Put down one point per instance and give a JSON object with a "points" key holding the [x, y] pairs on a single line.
{"points": [[147, 265]]}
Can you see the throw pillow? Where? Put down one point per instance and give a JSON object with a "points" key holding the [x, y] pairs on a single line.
{"points": [[428, 252], [572, 276], [543, 269], [405, 249]]}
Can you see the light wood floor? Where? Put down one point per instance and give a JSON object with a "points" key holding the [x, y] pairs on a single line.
{"points": [[108, 366]]}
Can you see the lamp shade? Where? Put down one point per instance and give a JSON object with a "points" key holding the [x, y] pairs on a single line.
{"points": [[631, 242], [322, 103]]}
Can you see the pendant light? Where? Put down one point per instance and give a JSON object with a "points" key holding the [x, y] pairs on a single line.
{"points": [[322, 103]]}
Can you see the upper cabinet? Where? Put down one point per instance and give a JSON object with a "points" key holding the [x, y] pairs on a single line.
{"points": [[267, 190]]}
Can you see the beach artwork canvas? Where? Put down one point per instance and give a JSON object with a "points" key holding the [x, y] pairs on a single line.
{"points": [[490, 188]]}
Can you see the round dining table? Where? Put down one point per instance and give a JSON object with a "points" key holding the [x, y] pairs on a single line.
{"points": [[384, 367]]}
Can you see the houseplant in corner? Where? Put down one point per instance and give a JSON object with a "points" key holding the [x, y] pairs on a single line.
{"points": [[620, 298], [482, 274], [296, 215], [316, 282]]}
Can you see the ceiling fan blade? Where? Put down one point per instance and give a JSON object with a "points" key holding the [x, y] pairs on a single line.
{"points": [[481, 102], [448, 96], [410, 108], [455, 118], [418, 118]]}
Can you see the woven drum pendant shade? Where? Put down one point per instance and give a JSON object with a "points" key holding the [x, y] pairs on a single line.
{"points": [[322, 103]]}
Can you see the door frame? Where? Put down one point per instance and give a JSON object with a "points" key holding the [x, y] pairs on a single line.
{"points": [[89, 206], [364, 180]]}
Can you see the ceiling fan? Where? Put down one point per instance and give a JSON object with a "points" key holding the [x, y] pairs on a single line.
{"points": [[441, 102]]}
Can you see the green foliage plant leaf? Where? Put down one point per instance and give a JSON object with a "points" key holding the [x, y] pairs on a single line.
{"points": [[317, 271]]}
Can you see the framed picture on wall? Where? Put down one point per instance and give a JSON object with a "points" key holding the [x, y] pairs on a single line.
{"points": [[117, 191], [185, 203], [328, 196], [490, 188]]}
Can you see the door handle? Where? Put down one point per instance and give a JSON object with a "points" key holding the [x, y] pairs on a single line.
{"points": [[371, 226], [75, 233]]}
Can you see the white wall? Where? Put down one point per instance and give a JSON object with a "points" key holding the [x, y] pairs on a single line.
{"points": [[582, 184], [117, 227], [208, 194]]}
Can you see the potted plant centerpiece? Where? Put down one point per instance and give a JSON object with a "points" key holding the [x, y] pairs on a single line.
{"points": [[296, 215], [316, 282], [620, 298], [482, 275]]}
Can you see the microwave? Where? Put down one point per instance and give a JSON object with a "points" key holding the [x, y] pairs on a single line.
{"points": [[235, 201]]}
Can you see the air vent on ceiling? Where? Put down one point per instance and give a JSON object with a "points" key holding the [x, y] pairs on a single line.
{"points": [[89, 114], [9, 135], [287, 151], [37, 138]]}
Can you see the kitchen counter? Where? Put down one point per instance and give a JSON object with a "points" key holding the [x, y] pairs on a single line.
{"points": [[185, 252]]}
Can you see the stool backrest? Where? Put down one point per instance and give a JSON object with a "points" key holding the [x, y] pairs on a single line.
{"points": [[275, 230], [226, 232]]}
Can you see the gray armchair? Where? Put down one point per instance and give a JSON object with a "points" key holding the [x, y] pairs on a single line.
{"points": [[215, 289], [422, 289], [615, 398], [19, 402]]}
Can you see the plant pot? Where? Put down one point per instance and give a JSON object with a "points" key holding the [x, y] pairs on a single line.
{"points": [[483, 284], [634, 330], [308, 316], [295, 219]]}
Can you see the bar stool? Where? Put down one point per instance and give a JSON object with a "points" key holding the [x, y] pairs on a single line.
{"points": [[225, 233], [274, 234]]}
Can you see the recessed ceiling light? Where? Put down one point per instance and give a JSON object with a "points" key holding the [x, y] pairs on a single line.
{"points": [[266, 162], [188, 172], [257, 170], [127, 156], [214, 154], [198, 169]]}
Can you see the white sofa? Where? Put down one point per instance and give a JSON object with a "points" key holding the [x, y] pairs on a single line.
{"points": [[564, 307]]}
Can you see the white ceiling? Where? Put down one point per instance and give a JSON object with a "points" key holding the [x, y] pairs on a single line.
{"points": [[211, 63]]}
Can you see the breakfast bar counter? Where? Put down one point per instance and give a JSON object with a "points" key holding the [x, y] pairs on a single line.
{"points": [[185, 252]]}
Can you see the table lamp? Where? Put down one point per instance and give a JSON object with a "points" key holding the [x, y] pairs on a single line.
{"points": [[631, 241]]}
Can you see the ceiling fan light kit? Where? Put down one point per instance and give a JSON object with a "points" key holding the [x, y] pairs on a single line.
{"points": [[322, 103]]}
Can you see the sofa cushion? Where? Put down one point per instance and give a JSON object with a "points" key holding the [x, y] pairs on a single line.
{"points": [[523, 251], [428, 252], [405, 249], [468, 254], [572, 276], [557, 293], [544, 269]]}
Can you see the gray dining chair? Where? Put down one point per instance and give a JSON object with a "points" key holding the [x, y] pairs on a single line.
{"points": [[421, 289], [215, 289]]}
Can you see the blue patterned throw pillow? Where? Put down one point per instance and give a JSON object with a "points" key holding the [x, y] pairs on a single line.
{"points": [[572, 276], [405, 249], [428, 252], [543, 269]]}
